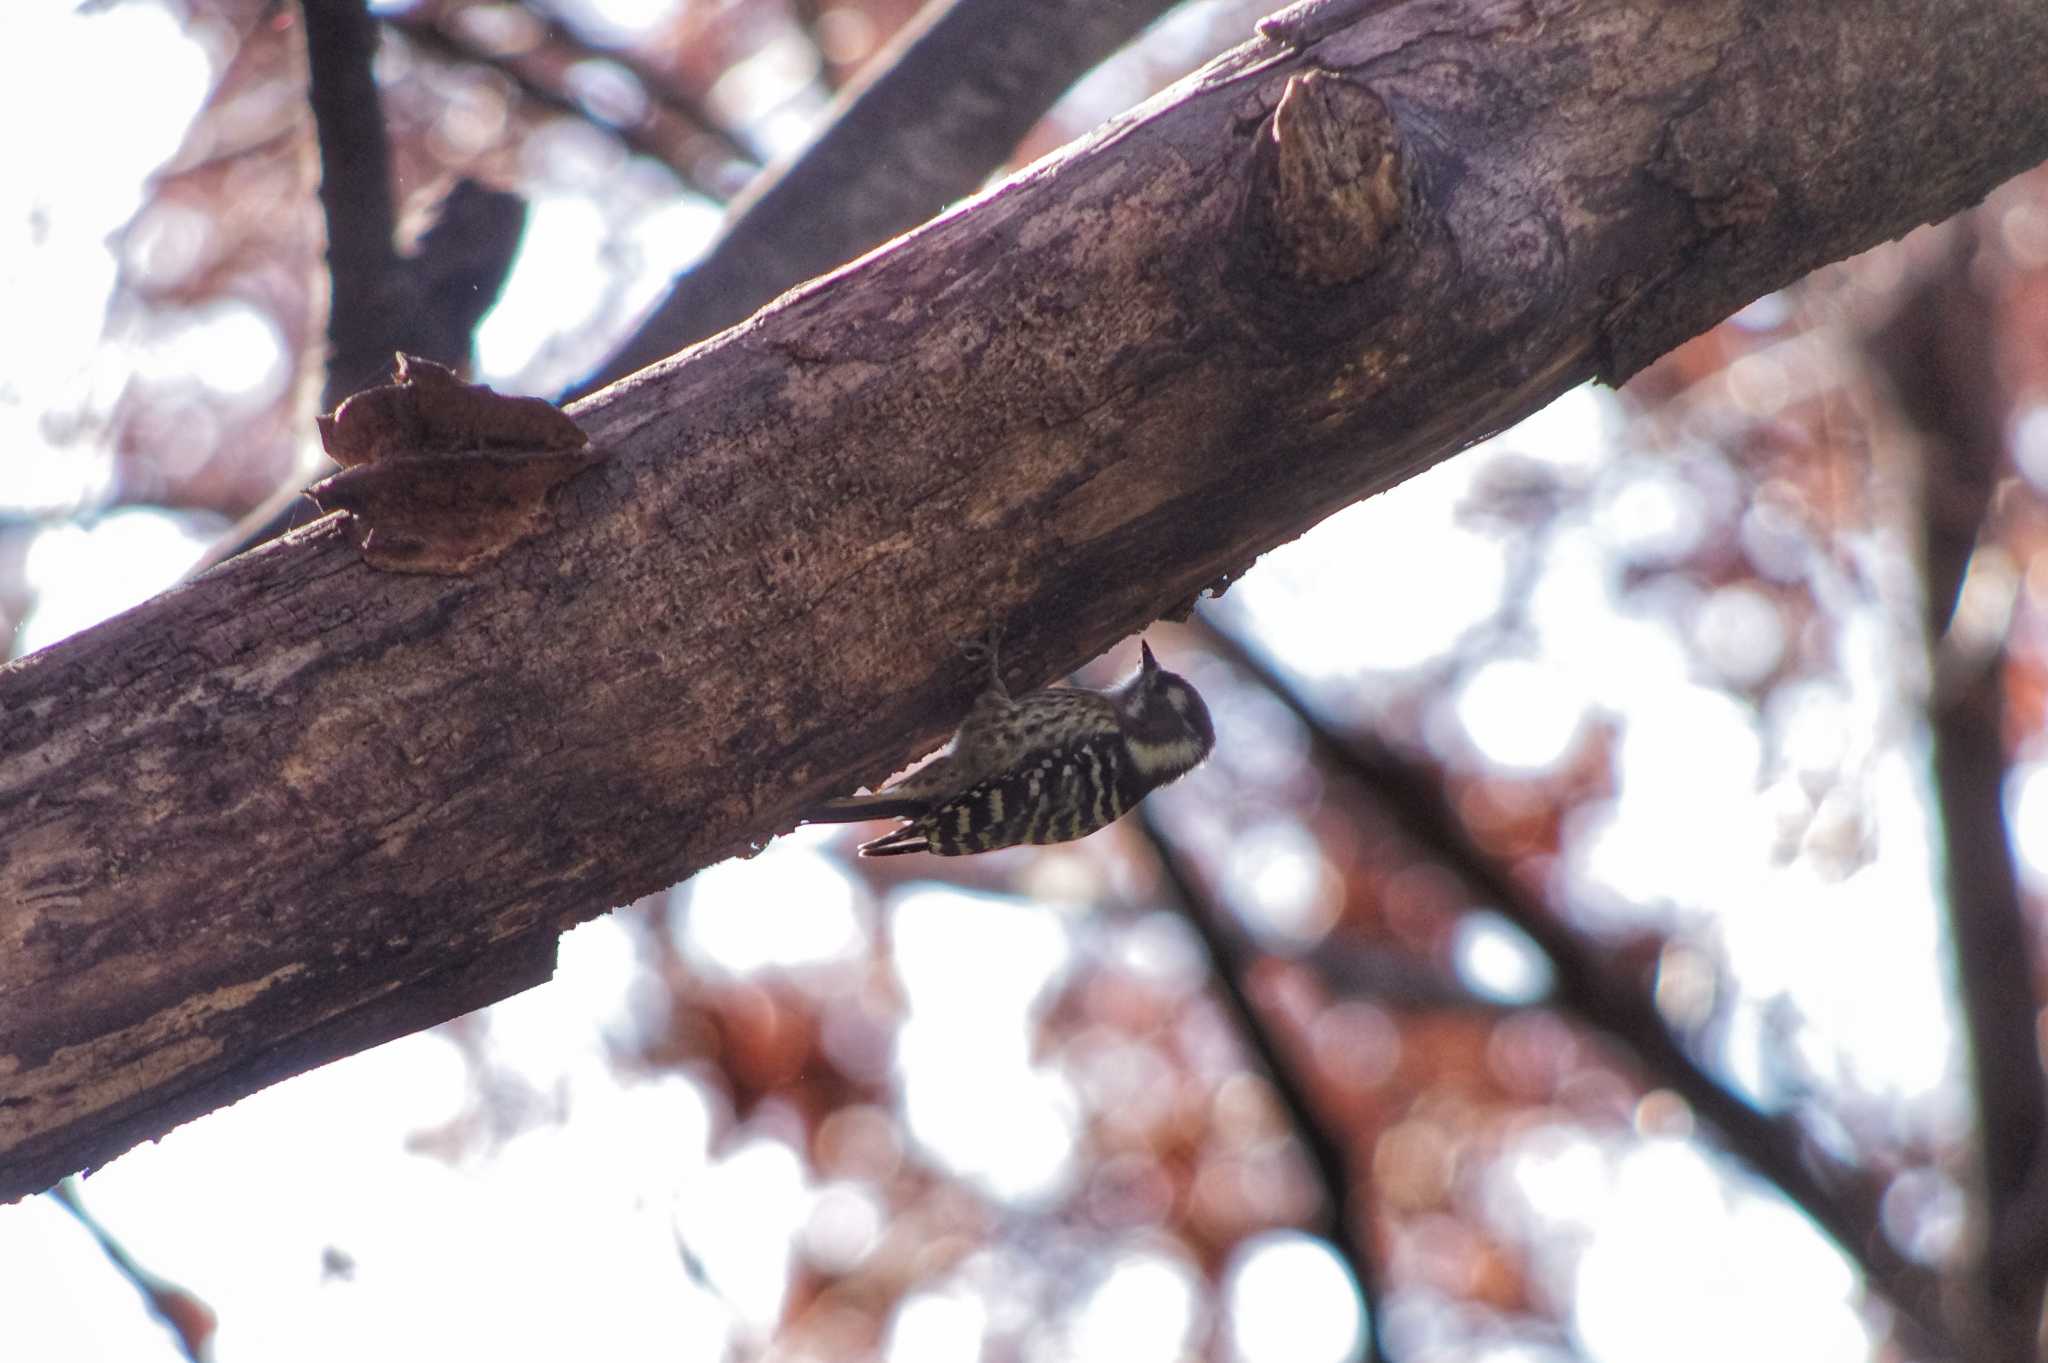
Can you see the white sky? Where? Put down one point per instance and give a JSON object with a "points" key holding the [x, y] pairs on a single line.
{"points": [[241, 1204]]}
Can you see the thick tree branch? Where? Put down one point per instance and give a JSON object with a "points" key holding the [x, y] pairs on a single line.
{"points": [[951, 98], [298, 804]]}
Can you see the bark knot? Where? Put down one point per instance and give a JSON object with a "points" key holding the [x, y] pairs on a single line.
{"points": [[1329, 180]]}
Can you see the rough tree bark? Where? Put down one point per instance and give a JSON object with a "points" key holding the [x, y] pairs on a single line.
{"points": [[301, 805]]}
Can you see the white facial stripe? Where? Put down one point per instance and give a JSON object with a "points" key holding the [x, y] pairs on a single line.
{"points": [[1174, 755]]}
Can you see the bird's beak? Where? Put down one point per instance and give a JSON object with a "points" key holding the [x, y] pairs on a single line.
{"points": [[1150, 663]]}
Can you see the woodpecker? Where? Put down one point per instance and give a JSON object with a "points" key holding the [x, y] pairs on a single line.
{"points": [[1047, 766]]}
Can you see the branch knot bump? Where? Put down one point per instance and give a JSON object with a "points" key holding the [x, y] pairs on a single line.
{"points": [[1329, 181]]}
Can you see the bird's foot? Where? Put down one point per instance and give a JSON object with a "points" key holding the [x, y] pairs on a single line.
{"points": [[987, 649]]}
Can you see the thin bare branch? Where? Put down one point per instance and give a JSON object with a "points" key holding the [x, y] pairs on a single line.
{"points": [[537, 80], [1936, 354], [1231, 958], [190, 1320], [661, 88]]}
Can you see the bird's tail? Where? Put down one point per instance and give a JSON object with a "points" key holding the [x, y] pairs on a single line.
{"points": [[909, 838], [860, 808]]}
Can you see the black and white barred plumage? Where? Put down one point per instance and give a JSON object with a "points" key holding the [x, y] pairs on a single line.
{"points": [[1047, 766]]}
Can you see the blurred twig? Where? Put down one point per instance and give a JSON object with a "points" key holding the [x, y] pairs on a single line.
{"points": [[1231, 959], [1842, 1204], [190, 1320], [538, 75], [661, 88], [947, 104], [1936, 357]]}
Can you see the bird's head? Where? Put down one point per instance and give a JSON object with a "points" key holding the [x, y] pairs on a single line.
{"points": [[1164, 720]]}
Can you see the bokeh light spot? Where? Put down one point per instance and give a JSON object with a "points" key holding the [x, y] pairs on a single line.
{"points": [[1291, 1301], [1140, 1312], [1521, 715], [1277, 877], [973, 968], [1497, 961], [936, 1327], [790, 906], [1741, 634]]}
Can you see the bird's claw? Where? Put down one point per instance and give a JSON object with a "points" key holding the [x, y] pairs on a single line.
{"points": [[987, 648]]}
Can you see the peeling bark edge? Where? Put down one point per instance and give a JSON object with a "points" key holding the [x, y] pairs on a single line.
{"points": [[1063, 408]]}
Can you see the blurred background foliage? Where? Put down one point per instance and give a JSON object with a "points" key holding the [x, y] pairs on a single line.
{"points": [[1558, 958]]}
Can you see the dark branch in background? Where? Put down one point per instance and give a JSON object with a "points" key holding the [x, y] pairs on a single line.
{"points": [[1842, 1204], [355, 190], [1936, 355], [363, 266], [1231, 959], [455, 274], [427, 303], [952, 97], [190, 1320]]}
